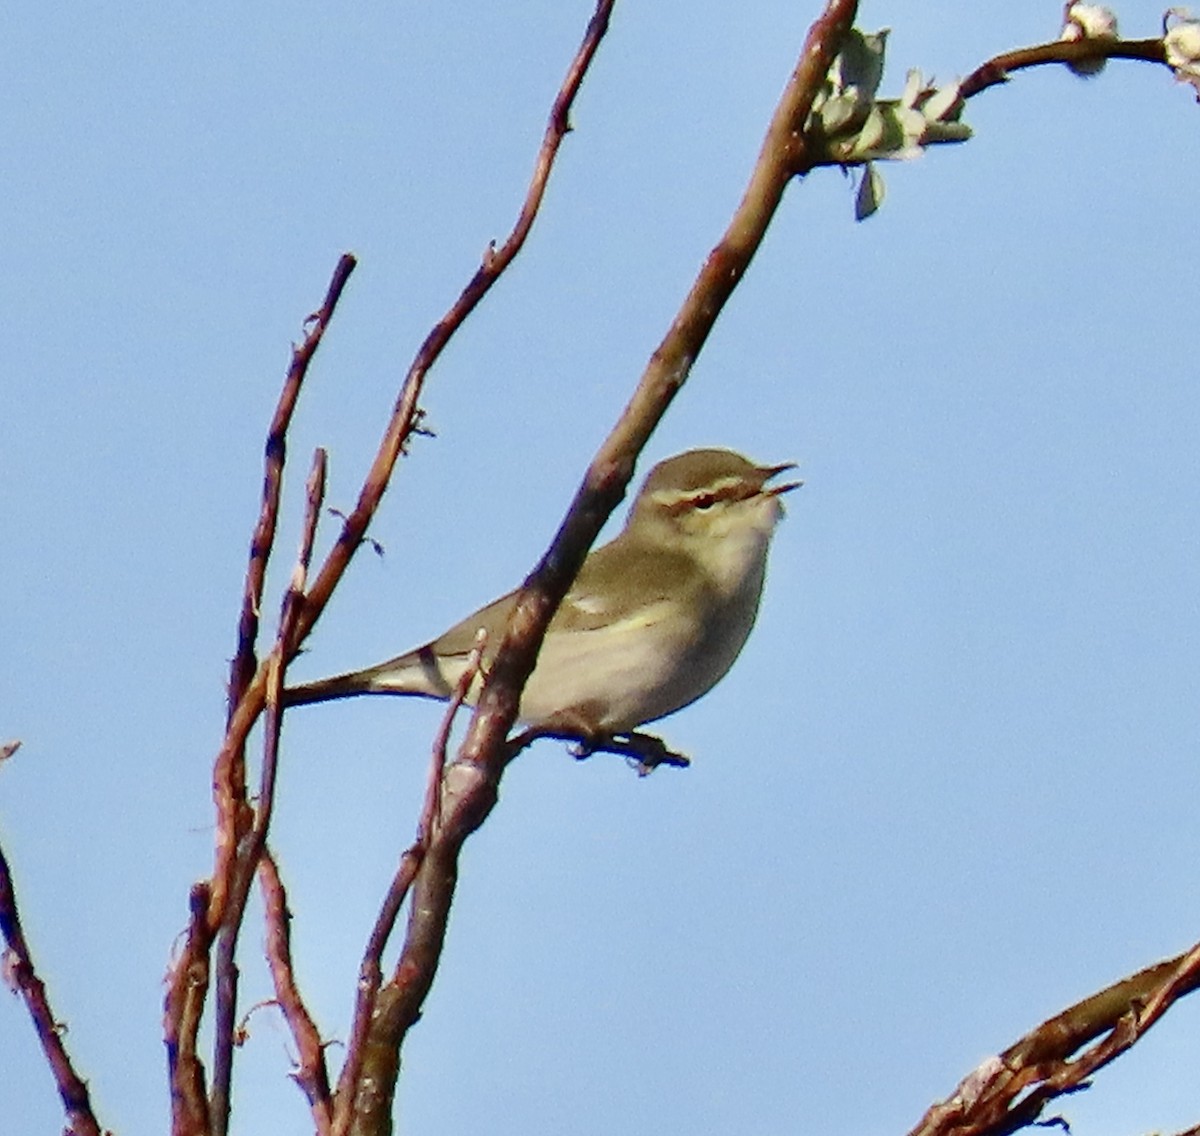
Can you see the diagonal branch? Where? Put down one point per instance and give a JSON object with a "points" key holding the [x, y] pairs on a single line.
{"points": [[19, 971], [245, 661], [471, 782], [312, 1075], [188, 975], [1009, 1092], [370, 971], [406, 413]]}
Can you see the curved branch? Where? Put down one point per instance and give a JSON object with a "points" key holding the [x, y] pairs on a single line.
{"points": [[997, 69]]}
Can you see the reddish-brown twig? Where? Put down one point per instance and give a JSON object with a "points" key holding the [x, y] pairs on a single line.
{"points": [[230, 787], [184, 1002], [312, 1075], [187, 981], [19, 970], [229, 773], [370, 971], [1009, 1092], [245, 661], [183, 1008], [253, 844], [997, 70], [405, 413], [470, 785]]}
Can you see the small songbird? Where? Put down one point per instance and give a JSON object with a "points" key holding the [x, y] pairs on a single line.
{"points": [[653, 620]]}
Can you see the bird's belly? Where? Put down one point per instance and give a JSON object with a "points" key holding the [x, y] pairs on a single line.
{"points": [[618, 677]]}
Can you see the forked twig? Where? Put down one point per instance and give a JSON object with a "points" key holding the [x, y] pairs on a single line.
{"points": [[370, 971], [1009, 1092], [405, 414], [187, 987], [245, 661], [188, 976], [253, 844], [471, 783]]}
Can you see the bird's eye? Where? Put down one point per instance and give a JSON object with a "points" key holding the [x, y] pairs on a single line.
{"points": [[705, 501]]}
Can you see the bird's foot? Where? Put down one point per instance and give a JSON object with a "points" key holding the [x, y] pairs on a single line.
{"points": [[644, 752]]}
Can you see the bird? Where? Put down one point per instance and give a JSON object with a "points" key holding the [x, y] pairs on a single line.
{"points": [[654, 619]]}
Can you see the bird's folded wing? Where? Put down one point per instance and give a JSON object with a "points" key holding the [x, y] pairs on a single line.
{"points": [[616, 581]]}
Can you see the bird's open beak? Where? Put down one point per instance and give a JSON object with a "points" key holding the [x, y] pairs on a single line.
{"points": [[774, 471]]}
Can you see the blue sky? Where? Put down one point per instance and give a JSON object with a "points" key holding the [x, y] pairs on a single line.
{"points": [[947, 789]]}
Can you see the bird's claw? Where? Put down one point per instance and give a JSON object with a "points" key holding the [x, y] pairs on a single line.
{"points": [[643, 752]]}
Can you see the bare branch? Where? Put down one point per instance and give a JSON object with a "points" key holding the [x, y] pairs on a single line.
{"points": [[254, 844], [188, 977], [245, 661], [183, 1009], [470, 786], [20, 972], [370, 972], [185, 998], [406, 413], [1009, 1092], [312, 1076], [997, 70]]}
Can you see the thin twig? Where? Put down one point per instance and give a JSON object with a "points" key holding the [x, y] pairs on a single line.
{"points": [[228, 776], [437, 762], [1009, 1092], [312, 1075], [229, 780], [187, 980], [245, 661], [183, 1008], [370, 971], [471, 783], [406, 413], [254, 844], [997, 70], [21, 974]]}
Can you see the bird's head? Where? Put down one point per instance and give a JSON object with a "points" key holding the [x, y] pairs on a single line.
{"points": [[714, 504]]}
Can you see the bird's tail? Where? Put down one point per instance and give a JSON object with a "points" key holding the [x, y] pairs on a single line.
{"points": [[416, 674]]}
